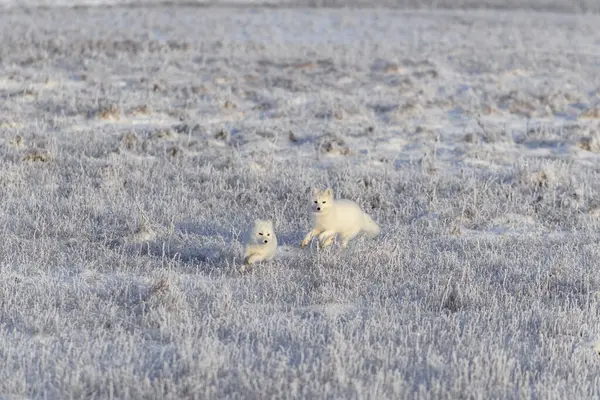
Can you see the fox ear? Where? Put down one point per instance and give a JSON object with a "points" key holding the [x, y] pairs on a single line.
{"points": [[315, 192], [328, 192]]}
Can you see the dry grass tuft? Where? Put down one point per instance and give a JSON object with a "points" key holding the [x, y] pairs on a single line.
{"points": [[37, 155], [110, 113], [228, 105], [589, 143], [129, 140], [17, 141], [139, 110], [160, 287], [292, 137], [591, 113], [222, 134], [174, 151], [333, 144]]}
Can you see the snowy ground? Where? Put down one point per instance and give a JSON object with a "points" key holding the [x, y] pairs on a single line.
{"points": [[138, 143]]}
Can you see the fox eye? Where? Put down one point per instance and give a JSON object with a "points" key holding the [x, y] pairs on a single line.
{"points": [[260, 233], [268, 234], [316, 202], [324, 202]]}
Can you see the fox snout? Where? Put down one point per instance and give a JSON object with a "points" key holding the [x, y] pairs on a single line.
{"points": [[265, 241]]}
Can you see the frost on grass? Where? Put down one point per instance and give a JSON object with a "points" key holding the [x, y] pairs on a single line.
{"points": [[135, 153]]}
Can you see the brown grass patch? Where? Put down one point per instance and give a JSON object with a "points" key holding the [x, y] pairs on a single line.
{"points": [[129, 140], [110, 113], [228, 105], [591, 113], [333, 144], [17, 141], [589, 143], [37, 155], [143, 109]]}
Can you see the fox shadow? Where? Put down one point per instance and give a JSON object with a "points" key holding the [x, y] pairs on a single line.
{"points": [[210, 248], [207, 248], [211, 230]]}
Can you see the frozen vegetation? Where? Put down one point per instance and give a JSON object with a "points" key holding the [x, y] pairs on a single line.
{"points": [[138, 144]]}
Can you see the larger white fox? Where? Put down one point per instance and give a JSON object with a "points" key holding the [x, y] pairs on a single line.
{"points": [[337, 217]]}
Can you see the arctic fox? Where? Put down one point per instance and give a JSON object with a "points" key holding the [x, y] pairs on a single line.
{"points": [[331, 217], [260, 243]]}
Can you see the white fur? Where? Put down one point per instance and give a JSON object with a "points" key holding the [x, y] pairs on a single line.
{"points": [[337, 217], [260, 243]]}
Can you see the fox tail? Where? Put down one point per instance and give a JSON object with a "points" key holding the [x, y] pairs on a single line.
{"points": [[370, 226]]}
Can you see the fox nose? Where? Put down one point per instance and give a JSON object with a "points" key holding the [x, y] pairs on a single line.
{"points": [[318, 208], [266, 241]]}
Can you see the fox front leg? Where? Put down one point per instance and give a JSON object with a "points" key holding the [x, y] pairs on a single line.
{"points": [[248, 261], [309, 236], [326, 238], [251, 259]]}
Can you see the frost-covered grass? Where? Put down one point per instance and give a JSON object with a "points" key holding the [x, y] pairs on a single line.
{"points": [[570, 6], [138, 144]]}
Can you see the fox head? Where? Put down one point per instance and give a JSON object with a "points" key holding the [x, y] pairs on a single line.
{"points": [[262, 232], [321, 200]]}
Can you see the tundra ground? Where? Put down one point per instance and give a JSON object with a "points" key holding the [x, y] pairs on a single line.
{"points": [[139, 143]]}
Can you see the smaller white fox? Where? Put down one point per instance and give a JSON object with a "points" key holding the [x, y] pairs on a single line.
{"points": [[331, 217], [260, 243]]}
